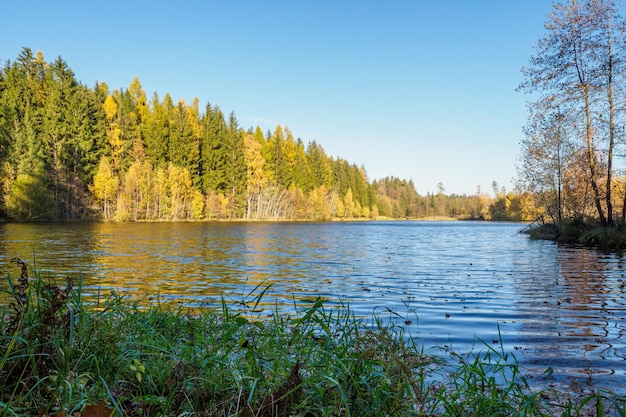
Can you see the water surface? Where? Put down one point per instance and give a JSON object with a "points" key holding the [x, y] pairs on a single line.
{"points": [[448, 283]]}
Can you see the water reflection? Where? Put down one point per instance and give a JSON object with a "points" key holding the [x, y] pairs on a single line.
{"points": [[55, 249], [574, 322], [447, 282]]}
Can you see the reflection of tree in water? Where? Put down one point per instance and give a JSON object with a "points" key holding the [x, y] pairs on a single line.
{"points": [[198, 263], [582, 305], [171, 261], [53, 249]]}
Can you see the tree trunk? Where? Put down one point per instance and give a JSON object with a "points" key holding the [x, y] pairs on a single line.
{"points": [[591, 158], [609, 203]]}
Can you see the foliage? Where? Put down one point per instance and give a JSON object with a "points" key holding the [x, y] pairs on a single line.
{"points": [[29, 198], [580, 232], [574, 139], [569, 155]]}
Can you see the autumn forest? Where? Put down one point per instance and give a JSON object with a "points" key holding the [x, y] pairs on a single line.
{"points": [[71, 152]]}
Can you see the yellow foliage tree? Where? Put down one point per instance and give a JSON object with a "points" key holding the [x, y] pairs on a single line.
{"points": [[114, 133], [110, 108], [348, 202], [197, 205], [374, 212], [105, 186], [256, 180]]}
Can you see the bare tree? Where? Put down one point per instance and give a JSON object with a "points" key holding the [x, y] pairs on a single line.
{"points": [[575, 69], [546, 153]]}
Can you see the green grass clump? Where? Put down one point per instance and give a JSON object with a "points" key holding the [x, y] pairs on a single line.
{"points": [[580, 232], [605, 237], [63, 354]]}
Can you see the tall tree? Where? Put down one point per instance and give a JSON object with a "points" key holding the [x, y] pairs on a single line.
{"points": [[302, 175], [138, 112], [255, 177], [105, 187], [155, 131], [575, 66], [547, 151], [182, 150], [234, 168], [320, 163], [213, 150]]}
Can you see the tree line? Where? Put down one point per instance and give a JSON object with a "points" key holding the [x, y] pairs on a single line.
{"points": [[573, 155], [71, 152]]}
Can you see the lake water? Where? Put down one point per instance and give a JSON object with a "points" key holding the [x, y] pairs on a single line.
{"points": [[447, 282]]}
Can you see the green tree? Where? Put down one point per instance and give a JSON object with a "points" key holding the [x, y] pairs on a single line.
{"points": [[320, 164], [29, 199], [155, 131], [234, 168], [302, 175], [183, 149], [213, 150], [280, 158]]}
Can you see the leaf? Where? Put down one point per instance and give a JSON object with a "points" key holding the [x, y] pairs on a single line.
{"points": [[241, 320], [549, 371], [99, 410]]}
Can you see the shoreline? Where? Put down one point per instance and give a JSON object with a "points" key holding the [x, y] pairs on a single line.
{"points": [[168, 360]]}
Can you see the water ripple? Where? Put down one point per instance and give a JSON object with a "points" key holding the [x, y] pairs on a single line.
{"points": [[448, 283]]}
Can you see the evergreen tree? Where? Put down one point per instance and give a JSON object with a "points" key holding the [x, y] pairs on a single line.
{"points": [[302, 175], [234, 168], [320, 164], [181, 143], [213, 150], [155, 131]]}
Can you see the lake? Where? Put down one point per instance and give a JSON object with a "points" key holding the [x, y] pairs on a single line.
{"points": [[447, 282]]}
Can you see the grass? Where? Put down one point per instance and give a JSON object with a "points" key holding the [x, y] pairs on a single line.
{"points": [[63, 355], [580, 232]]}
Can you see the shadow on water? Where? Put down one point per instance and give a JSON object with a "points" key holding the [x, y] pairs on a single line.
{"points": [[447, 283]]}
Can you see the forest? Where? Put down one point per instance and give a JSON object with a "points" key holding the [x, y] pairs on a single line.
{"points": [[69, 152]]}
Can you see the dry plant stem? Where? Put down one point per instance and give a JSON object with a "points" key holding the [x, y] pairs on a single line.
{"points": [[20, 293], [20, 307]]}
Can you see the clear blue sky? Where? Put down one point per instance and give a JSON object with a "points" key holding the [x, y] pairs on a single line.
{"points": [[413, 89]]}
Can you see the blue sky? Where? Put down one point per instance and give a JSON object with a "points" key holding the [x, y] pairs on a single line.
{"points": [[413, 89]]}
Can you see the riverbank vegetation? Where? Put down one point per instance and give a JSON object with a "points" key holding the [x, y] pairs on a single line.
{"points": [[71, 152], [66, 355], [573, 158]]}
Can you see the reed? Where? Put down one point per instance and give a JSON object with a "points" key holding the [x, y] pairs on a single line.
{"points": [[115, 356]]}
